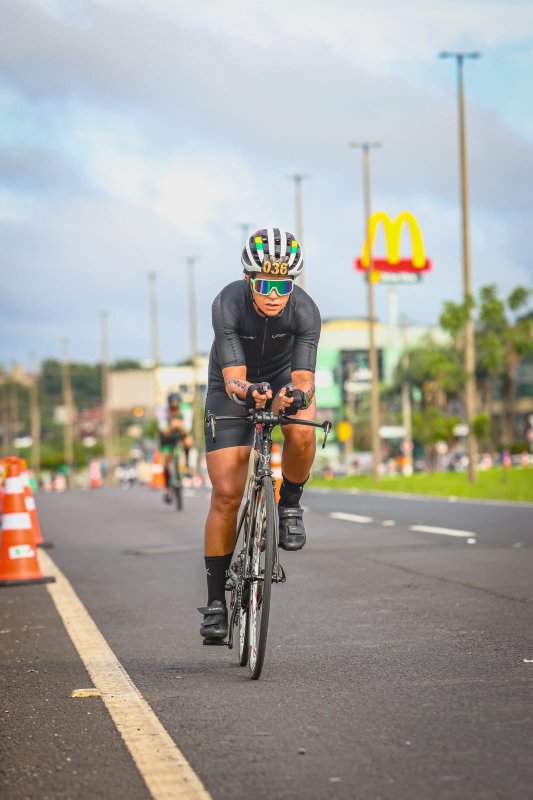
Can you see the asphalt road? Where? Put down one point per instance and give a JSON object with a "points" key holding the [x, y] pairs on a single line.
{"points": [[397, 664]]}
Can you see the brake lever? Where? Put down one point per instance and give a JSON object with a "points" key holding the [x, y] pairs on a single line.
{"points": [[210, 419], [326, 427]]}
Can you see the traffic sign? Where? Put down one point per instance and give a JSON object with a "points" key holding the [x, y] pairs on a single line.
{"points": [[344, 431]]}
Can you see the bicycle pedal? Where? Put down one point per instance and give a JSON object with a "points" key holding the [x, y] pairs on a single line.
{"points": [[215, 642]]}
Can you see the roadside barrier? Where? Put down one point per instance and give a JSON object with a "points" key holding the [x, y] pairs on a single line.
{"points": [[18, 554], [158, 473], [276, 469]]}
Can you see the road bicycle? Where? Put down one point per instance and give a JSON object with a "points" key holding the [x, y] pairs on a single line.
{"points": [[256, 565]]}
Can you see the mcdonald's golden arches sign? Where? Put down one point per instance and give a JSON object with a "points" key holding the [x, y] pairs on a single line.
{"points": [[393, 229]]}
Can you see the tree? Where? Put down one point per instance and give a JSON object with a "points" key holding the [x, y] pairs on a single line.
{"points": [[126, 363], [503, 339], [435, 370]]}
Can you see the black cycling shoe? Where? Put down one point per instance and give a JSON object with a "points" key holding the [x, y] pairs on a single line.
{"points": [[215, 624], [291, 528], [167, 496]]}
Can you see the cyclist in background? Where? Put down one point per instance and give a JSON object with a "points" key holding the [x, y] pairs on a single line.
{"points": [[266, 329], [173, 428]]}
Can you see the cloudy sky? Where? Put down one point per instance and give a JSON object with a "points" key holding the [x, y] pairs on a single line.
{"points": [[135, 133]]}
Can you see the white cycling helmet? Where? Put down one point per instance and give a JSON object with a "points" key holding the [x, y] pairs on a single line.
{"points": [[269, 244]]}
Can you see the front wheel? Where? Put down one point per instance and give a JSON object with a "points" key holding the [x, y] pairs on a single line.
{"points": [[178, 495], [261, 567]]}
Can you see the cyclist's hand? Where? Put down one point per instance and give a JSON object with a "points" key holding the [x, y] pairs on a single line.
{"points": [[258, 394], [291, 400], [176, 424]]}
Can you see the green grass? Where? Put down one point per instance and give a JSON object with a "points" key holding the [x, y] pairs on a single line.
{"points": [[495, 484]]}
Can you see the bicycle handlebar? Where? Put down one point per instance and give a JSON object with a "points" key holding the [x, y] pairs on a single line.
{"points": [[263, 417]]}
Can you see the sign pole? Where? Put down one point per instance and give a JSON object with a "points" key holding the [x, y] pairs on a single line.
{"points": [[373, 356]]}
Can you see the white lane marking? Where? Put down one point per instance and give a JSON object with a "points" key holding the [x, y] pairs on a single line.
{"points": [[442, 531], [388, 523], [350, 517], [164, 769]]}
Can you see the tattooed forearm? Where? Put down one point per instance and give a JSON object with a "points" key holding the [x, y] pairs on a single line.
{"points": [[309, 393], [238, 383]]}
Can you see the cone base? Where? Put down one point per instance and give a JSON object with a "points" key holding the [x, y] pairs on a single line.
{"points": [[45, 545], [26, 581]]}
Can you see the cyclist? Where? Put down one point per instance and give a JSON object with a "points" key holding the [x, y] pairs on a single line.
{"points": [[266, 330], [172, 428]]}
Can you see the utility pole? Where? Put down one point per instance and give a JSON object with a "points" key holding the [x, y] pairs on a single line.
{"points": [[68, 430], [5, 418], [365, 148], [298, 178], [193, 338], [13, 412], [106, 406], [154, 327], [470, 353], [35, 417], [406, 405]]}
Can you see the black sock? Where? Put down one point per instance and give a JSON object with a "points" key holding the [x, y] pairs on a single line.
{"points": [[187, 450], [215, 570], [290, 493], [167, 477]]}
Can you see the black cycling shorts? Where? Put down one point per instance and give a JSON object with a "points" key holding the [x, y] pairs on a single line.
{"points": [[232, 433]]}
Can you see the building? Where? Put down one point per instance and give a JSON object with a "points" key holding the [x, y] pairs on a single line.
{"points": [[148, 388], [343, 356]]}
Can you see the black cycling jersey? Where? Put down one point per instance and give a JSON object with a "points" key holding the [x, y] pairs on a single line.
{"points": [[267, 346]]}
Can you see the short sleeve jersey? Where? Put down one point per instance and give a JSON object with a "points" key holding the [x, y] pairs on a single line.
{"points": [[267, 346]]}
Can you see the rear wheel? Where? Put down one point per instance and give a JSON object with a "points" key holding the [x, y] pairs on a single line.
{"points": [[261, 567]]}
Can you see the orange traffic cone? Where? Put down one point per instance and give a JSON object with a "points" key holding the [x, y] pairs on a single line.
{"points": [[18, 554], [158, 473], [276, 468], [30, 504], [95, 475]]}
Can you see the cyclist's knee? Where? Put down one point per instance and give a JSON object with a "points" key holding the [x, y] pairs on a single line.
{"points": [[299, 437], [226, 496]]}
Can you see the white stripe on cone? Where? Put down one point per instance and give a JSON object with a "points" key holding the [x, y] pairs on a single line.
{"points": [[13, 486], [17, 521], [30, 504], [21, 551]]}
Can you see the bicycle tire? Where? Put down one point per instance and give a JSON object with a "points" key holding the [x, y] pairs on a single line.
{"points": [[177, 486], [262, 559], [244, 636], [178, 494], [242, 611]]}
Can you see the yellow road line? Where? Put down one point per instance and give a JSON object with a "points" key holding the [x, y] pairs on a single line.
{"points": [[165, 770]]}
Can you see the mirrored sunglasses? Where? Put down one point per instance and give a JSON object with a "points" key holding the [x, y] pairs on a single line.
{"points": [[265, 285]]}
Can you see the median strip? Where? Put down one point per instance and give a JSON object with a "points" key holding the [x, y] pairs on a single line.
{"points": [[165, 770]]}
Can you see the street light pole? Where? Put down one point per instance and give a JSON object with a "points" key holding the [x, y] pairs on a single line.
{"points": [[35, 419], [68, 431], [154, 327], [245, 228], [365, 148], [193, 336], [106, 407], [298, 178], [470, 353]]}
